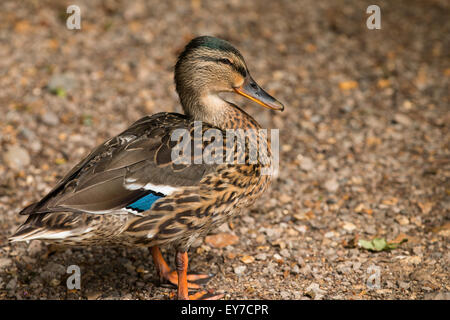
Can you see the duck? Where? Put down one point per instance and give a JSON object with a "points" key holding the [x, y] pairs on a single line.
{"points": [[152, 185]]}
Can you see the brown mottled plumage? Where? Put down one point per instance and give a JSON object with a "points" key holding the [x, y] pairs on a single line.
{"points": [[130, 191]]}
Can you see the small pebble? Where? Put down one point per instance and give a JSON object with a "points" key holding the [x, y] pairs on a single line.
{"points": [[12, 284], [331, 185], [285, 253], [239, 270], [295, 269], [5, 262], [348, 226], [306, 164], [50, 119], [402, 220], [261, 256], [16, 157], [314, 291]]}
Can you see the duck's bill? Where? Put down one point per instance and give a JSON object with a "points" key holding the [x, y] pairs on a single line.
{"points": [[251, 90]]}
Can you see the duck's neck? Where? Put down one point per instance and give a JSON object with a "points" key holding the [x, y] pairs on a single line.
{"points": [[212, 109]]}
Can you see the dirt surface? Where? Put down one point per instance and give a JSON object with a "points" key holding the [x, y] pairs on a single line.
{"points": [[364, 142]]}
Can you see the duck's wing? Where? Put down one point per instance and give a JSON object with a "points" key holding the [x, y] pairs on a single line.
{"points": [[126, 173]]}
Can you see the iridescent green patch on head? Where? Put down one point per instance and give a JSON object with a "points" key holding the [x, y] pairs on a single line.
{"points": [[210, 43], [214, 43]]}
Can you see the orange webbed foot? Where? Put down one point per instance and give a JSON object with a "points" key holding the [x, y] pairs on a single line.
{"points": [[206, 295], [181, 279], [195, 281], [200, 295]]}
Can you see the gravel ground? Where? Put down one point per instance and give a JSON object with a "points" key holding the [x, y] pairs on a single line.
{"points": [[364, 142]]}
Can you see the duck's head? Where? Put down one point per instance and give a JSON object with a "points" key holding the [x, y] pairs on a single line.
{"points": [[209, 66]]}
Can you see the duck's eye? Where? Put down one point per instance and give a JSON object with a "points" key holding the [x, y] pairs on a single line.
{"points": [[226, 61]]}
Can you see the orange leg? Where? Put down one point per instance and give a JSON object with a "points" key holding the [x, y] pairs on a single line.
{"points": [[166, 274], [181, 261], [182, 266]]}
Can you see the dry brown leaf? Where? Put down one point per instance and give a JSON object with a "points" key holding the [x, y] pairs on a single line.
{"points": [[284, 198], [53, 44], [383, 83], [350, 243], [221, 240], [310, 215], [348, 85], [310, 48], [247, 259], [401, 237], [60, 161], [402, 220], [373, 141], [443, 230], [135, 26], [425, 207], [261, 238], [22, 26], [391, 201], [231, 255], [308, 203], [360, 208], [279, 243]]}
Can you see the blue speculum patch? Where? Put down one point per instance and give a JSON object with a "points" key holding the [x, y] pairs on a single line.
{"points": [[144, 203]]}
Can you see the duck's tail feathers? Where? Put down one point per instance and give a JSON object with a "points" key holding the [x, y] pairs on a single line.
{"points": [[29, 209], [27, 233]]}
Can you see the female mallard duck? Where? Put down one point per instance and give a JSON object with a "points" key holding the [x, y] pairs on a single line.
{"points": [[131, 191]]}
